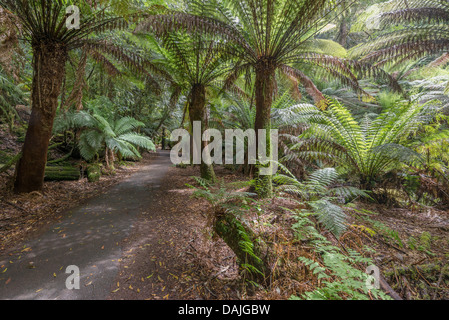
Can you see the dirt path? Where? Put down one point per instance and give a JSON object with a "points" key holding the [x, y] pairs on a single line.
{"points": [[171, 254], [90, 237]]}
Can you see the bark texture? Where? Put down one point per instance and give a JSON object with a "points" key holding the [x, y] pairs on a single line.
{"points": [[197, 112], [49, 67]]}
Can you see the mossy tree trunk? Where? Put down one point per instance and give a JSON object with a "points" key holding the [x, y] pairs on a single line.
{"points": [[197, 112], [250, 251], [264, 91], [49, 67], [163, 139], [343, 31], [62, 173]]}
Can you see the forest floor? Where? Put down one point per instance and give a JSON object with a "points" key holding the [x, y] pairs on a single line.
{"points": [[411, 246], [172, 253], [167, 249]]}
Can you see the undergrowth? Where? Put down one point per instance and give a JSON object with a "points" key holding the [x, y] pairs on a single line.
{"points": [[339, 272]]}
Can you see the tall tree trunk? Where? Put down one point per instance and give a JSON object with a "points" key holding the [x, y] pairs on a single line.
{"points": [[106, 158], [49, 67], [197, 112], [163, 138], [342, 36], [264, 91]]}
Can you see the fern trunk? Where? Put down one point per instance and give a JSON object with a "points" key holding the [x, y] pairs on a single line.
{"points": [[197, 112], [343, 32], [264, 92], [49, 67], [244, 244]]}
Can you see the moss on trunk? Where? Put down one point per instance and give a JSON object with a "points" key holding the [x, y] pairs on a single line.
{"points": [[197, 112], [62, 173], [264, 92], [244, 243], [94, 172], [10, 163]]}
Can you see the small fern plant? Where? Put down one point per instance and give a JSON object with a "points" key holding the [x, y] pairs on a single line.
{"points": [[218, 194], [230, 207], [99, 133], [320, 192]]}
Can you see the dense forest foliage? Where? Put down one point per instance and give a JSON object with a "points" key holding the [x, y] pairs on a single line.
{"points": [[357, 91]]}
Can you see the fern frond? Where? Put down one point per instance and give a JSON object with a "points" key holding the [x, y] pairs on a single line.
{"points": [[330, 215], [138, 140], [126, 124]]}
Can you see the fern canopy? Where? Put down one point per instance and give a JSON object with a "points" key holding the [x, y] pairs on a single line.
{"points": [[423, 31]]}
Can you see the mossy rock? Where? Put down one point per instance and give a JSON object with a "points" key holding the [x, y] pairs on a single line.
{"points": [[94, 172], [108, 172]]}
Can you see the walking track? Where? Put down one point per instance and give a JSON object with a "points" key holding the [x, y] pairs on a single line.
{"points": [[88, 237]]}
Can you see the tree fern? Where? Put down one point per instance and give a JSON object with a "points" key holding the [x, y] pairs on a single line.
{"points": [[368, 148], [10, 96], [423, 31], [100, 133]]}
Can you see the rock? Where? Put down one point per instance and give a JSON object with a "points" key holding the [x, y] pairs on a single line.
{"points": [[399, 256], [94, 172]]}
